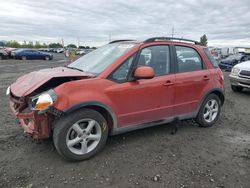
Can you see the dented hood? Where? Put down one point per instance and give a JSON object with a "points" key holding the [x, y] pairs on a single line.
{"points": [[28, 83]]}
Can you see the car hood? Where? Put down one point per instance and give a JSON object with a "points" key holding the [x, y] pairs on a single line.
{"points": [[28, 83], [226, 61], [244, 65]]}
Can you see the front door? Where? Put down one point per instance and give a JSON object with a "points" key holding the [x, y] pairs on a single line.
{"points": [[144, 100]]}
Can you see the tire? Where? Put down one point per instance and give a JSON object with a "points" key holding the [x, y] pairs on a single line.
{"points": [[236, 88], [209, 113], [69, 140], [24, 58], [47, 58]]}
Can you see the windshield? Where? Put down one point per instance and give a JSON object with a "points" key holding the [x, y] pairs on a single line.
{"points": [[97, 61], [232, 57]]}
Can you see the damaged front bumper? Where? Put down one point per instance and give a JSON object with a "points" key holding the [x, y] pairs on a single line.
{"points": [[33, 123]]}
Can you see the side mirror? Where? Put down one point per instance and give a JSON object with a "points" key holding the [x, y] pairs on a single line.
{"points": [[144, 72]]}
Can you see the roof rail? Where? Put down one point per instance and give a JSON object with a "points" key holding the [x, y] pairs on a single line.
{"points": [[154, 39], [124, 40]]}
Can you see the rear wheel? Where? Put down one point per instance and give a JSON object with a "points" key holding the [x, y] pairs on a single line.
{"points": [[47, 58], [80, 135], [24, 58], [209, 111], [236, 88]]}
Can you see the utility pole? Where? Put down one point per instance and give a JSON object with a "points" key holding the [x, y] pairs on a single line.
{"points": [[62, 42], [173, 32], [78, 42]]}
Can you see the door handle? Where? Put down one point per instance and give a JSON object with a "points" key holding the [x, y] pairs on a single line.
{"points": [[168, 83], [206, 78]]}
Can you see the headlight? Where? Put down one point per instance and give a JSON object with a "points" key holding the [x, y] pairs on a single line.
{"points": [[235, 71], [8, 91], [43, 101]]}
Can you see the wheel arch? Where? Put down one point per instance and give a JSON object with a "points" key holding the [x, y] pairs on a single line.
{"points": [[220, 94], [217, 91], [103, 109]]}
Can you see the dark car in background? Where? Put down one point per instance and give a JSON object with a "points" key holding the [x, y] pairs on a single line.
{"points": [[228, 63], [3, 54], [31, 54]]}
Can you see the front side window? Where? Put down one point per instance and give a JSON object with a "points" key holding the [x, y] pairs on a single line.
{"points": [[121, 74], [157, 57], [188, 59], [98, 60]]}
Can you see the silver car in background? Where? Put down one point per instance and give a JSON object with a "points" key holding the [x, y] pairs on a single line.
{"points": [[240, 76]]}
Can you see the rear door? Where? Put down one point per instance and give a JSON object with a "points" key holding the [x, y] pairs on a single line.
{"points": [[36, 54], [192, 79], [30, 54]]}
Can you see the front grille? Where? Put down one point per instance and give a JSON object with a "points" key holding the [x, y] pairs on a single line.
{"points": [[243, 83], [245, 74]]}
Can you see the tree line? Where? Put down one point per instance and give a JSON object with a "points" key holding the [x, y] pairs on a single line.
{"points": [[30, 44]]}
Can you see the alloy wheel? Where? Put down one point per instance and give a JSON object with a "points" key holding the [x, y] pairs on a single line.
{"points": [[211, 110], [83, 136]]}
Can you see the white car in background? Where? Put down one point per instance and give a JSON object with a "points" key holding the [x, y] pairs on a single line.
{"points": [[240, 76], [59, 50], [80, 52]]}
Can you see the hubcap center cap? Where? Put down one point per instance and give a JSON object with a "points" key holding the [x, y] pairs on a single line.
{"points": [[84, 136]]}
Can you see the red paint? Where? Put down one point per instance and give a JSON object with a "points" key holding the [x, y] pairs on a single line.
{"points": [[27, 83], [144, 72]]}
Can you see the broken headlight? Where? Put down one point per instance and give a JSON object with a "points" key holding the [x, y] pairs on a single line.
{"points": [[43, 101]]}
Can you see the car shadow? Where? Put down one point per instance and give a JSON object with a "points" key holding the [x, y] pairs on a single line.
{"points": [[133, 138], [162, 129], [244, 92]]}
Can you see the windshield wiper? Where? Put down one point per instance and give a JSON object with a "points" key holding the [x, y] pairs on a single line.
{"points": [[75, 68]]}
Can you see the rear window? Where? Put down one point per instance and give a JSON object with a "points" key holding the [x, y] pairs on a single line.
{"points": [[211, 58]]}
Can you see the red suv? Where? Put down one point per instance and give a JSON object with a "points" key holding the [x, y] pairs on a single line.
{"points": [[122, 86]]}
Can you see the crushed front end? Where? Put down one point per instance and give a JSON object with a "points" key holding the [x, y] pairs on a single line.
{"points": [[32, 98], [37, 123]]}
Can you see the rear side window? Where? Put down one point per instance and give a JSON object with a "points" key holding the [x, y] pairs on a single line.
{"points": [[188, 59], [211, 58]]}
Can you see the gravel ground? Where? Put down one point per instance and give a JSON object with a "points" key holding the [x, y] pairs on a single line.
{"points": [[194, 157]]}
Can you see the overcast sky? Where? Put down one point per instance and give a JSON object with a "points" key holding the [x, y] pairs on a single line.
{"points": [[226, 23]]}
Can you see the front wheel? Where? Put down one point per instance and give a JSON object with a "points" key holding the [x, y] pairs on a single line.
{"points": [[80, 135], [47, 58], [209, 111]]}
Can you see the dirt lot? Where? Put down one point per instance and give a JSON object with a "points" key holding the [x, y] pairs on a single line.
{"points": [[195, 157]]}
